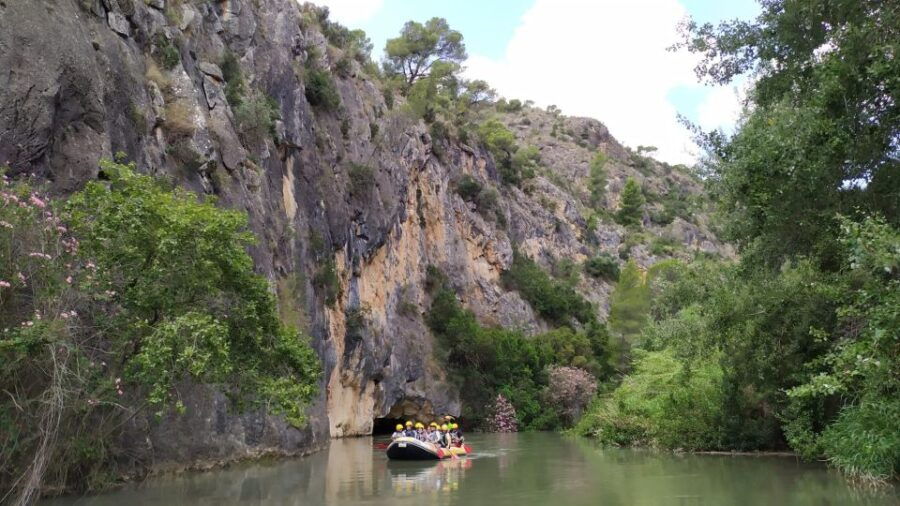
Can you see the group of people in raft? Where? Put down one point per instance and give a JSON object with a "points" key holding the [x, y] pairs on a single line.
{"points": [[445, 435]]}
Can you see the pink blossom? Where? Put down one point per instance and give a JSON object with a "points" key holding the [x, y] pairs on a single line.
{"points": [[4, 284], [69, 279], [90, 265], [61, 229], [40, 255], [5, 224], [21, 277], [36, 201]]}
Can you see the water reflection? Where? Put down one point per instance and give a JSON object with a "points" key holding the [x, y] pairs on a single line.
{"points": [[510, 469]]}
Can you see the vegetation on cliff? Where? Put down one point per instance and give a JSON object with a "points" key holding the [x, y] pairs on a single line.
{"points": [[112, 298]]}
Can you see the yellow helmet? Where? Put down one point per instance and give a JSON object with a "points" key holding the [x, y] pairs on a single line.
{"points": [[433, 424], [399, 426], [419, 425], [454, 426], [408, 423], [444, 427]]}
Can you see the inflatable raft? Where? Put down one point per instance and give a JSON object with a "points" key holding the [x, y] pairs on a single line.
{"points": [[408, 448]]}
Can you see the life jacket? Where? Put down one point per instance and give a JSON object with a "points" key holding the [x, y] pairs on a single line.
{"points": [[397, 434]]}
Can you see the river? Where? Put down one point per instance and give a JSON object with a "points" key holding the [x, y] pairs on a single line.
{"points": [[508, 470]]}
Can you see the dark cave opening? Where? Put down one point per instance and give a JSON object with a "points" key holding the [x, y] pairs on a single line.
{"points": [[385, 426]]}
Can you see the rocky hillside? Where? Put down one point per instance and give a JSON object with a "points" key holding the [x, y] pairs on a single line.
{"points": [[350, 203]]}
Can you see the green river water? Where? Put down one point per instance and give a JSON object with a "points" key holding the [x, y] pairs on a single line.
{"points": [[507, 469]]}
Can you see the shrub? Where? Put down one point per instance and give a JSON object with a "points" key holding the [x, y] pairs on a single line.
{"points": [[553, 300], [569, 391], [234, 79], [326, 279], [373, 130], [321, 90], [344, 67], [256, 117], [167, 53], [503, 416], [662, 403], [629, 304], [362, 179], [664, 245], [468, 188], [602, 266], [523, 164]]}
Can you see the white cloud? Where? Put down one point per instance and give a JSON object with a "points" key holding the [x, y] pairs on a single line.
{"points": [[351, 13], [721, 108], [605, 59]]}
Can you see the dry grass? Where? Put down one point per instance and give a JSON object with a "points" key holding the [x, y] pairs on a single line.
{"points": [[179, 119], [155, 75]]}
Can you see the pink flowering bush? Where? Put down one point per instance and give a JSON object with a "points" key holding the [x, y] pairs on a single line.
{"points": [[503, 416], [569, 392]]}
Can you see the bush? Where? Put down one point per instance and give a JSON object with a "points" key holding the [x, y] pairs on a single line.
{"points": [[503, 416], [569, 391], [167, 53], [326, 279], [234, 79], [179, 119], [362, 179], [629, 304], [110, 299], [555, 301], [603, 266], [664, 245], [256, 117], [662, 403], [321, 90], [468, 188]]}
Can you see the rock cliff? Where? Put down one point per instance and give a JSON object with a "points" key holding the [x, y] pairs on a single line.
{"points": [[350, 204]]}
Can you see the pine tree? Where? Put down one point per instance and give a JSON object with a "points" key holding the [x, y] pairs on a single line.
{"points": [[630, 206]]}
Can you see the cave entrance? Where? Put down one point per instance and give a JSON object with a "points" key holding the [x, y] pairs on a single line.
{"points": [[382, 426]]}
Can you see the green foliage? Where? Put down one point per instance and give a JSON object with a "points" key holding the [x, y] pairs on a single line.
{"points": [[419, 47], [121, 293], [603, 266], [321, 90], [629, 307], [555, 301], [522, 166], [821, 136], [664, 402], [468, 188], [167, 53], [664, 245], [514, 164], [597, 181], [362, 179], [630, 205], [327, 281], [513, 106], [256, 116], [234, 79]]}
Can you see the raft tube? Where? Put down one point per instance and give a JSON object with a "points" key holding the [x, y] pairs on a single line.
{"points": [[408, 448]]}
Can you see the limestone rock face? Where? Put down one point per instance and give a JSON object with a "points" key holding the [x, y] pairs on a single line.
{"points": [[363, 190]]}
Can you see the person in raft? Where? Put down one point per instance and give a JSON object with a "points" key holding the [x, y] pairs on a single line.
{"points": [[446, 438], [420, 432], [410, 431], [398, 432], [434, 434]]}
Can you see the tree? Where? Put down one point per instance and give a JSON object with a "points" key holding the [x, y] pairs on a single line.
{"points": [[419, 47], [821, 137], [597, 181], [630, 207]]}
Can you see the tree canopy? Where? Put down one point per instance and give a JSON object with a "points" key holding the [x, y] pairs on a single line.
{"points": [[420, 46]]}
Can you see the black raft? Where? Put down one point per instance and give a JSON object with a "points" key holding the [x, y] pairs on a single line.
{"points": [[407, 448]]}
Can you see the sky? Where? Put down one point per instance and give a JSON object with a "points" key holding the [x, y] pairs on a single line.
{"points": [[605, 59]]}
